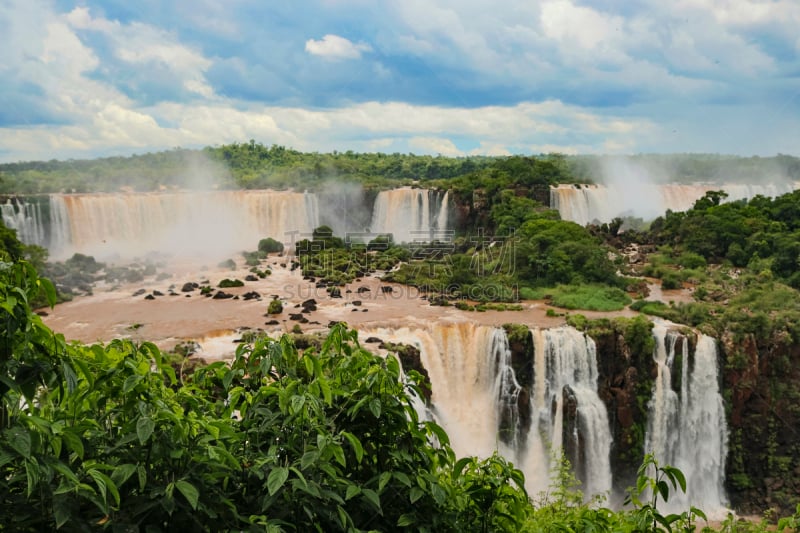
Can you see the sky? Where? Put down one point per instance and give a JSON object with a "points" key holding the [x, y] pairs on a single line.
{"points": [[452, 77]]}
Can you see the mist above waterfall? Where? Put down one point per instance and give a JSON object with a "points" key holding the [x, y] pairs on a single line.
{"points": [[647, 187], [343, 206], [633, 187], [202, 173]]}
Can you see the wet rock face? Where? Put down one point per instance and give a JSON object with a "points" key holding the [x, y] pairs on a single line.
{"points": [[624, 385], [410, 360], [761, 378], [572, 435]]}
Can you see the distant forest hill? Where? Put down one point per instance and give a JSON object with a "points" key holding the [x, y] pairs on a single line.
{"points": [[253, 165]]}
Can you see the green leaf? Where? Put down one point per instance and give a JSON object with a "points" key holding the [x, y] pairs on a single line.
{"points": [[326, 390], [144, 428], [49, 290], [372, 497], [375, 407], [189, 492], [358, 449], [407, 519], [309, 458], [65, 471], [352, 490], [402, 478], [338, 453], [459, 466], [277, 477], [131, 382], [88, 375], [438, 493], [19, 438], [62, 510], [676, 474], [227, 379], [32, 475], [663, 489], [441, 434], [105, 485], [99, 480], [142, 474], [384, 479], [122, 473], [5, 458], [699, 512], [69, 376], [343, 517], [415, 494], [297, 403], [309, 364]]}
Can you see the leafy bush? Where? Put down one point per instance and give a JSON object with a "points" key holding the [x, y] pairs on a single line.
{"points": [[671, 280], [270, 246], [275, 307], [228, 283]]}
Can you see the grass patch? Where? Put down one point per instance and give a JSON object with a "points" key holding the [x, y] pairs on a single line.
{"points": [[589, 297]]}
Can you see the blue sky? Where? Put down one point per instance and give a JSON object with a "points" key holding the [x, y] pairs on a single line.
{"points": [[456, 77]]}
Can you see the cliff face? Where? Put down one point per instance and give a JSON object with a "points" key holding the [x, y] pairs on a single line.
{"points": [[762, 390], [626, 373]]}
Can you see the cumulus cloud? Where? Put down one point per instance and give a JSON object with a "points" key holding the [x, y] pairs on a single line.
{"points": [[149, 49], [450, 77], [434, 146], [335, 47]]}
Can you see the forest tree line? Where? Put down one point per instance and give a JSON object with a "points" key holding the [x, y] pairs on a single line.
{"points": [[254, 165]]}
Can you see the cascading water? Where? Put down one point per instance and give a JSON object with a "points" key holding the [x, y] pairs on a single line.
{"points": [[687, 429], [476, 397], [26, 218], [215, 222], [474, 392], [567, 413], [589, 203], [196, 223], [411, 215]]}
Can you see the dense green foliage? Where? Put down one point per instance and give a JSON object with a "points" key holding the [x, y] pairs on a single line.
{"points": [[738, 232], [254, 165], [110, 437], [530, 249], [329, 260]]}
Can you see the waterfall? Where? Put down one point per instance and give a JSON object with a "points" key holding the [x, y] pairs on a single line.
{"points": [[567, 413], [687, 428], [186, 223], [26, 218], [585, 204], [476, 398], [473, 388], [411, 215]]}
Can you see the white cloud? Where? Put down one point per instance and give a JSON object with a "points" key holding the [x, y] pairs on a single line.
{"points": [[146, 47], [559, 149], [391, 126], [434, 146], [490, 149], [335, 47]]}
